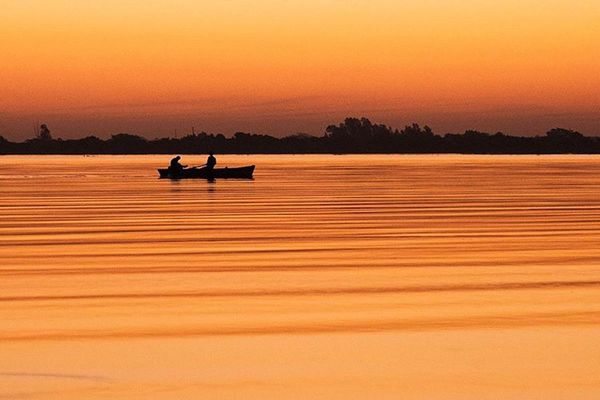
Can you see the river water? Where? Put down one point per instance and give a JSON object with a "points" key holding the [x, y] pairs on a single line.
{"points": [[329, 277]]}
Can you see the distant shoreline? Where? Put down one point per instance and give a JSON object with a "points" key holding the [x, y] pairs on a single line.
{"points": [[353, 136], [298, 154]]}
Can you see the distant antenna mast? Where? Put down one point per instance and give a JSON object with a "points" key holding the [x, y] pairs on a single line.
{"points": [[175, 133], [193, 131]]}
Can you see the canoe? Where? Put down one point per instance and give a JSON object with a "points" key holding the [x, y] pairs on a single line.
{"points": [[204, 173]]}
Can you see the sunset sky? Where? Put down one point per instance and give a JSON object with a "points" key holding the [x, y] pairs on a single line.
{"points": [[278, 67]]}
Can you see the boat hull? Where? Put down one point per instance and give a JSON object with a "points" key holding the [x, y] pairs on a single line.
{"points": [[205, 173]]}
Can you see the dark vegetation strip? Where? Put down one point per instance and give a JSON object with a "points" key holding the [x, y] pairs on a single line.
{"points": [[352, 136]]}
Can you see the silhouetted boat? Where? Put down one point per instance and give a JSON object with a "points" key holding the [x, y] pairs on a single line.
{"points": [[204, 173]]}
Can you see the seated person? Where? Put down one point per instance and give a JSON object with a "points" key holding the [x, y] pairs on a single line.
{"points": [[211, 161], [175, 166]]}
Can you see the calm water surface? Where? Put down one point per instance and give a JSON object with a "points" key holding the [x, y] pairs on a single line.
{"points": [[350, 277]]}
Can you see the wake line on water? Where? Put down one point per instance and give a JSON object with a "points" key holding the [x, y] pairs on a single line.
{"points": [[257, 268], [314, 292], [414, 325], [10, 240], [52, 376]]}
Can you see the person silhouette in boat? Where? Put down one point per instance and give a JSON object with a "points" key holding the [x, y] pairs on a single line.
{"points": [[211, 161], [176, 167]]}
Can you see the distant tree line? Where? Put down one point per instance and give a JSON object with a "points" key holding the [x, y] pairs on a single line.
{"points": [[351, 136]]}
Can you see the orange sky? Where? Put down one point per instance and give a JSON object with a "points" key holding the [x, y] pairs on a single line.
{"points": [[276, 66]]}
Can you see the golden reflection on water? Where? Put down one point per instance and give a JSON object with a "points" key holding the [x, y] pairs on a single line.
{"points": [[325, 277]]}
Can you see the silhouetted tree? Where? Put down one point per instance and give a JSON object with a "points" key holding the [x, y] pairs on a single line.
{"points": [[44, 133], [416, 131], [4, 145], [126, 143], [560, 133]]}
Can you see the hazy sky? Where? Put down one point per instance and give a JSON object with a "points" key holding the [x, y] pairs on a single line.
{"points": [[153, 66]]}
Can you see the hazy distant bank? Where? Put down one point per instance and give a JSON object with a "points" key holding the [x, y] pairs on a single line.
{"points": [[353, 136]]}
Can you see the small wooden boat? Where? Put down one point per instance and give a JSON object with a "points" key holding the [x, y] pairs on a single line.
{"points": [[205, 173]]}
